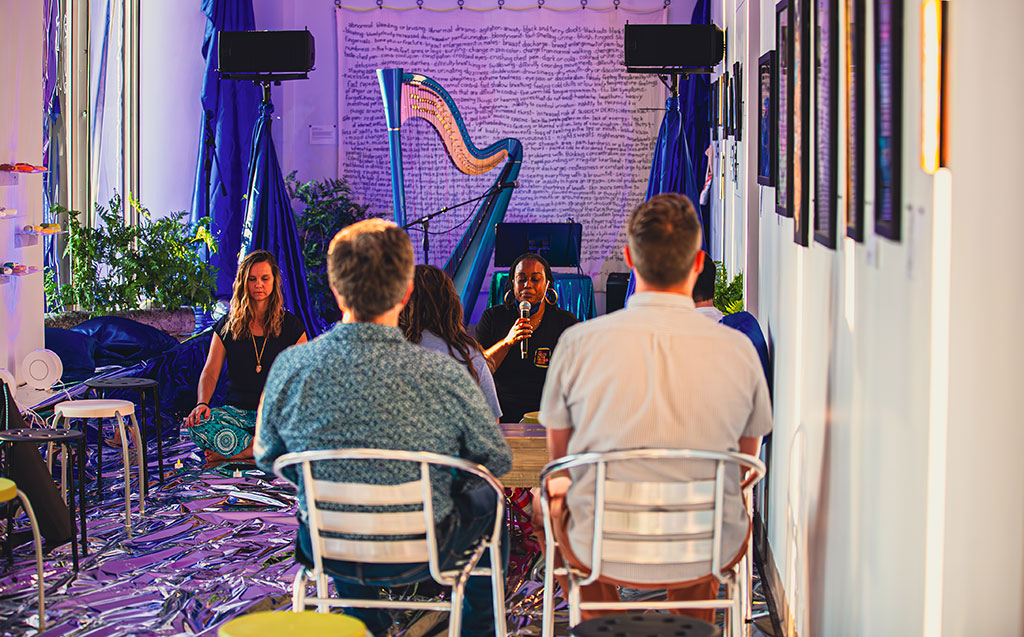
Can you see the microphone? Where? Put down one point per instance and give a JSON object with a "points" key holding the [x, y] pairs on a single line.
{"points": [[506, 184], [524, 312]]}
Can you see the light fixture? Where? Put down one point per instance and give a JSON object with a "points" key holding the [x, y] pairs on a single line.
{"points": [[932, 85]]}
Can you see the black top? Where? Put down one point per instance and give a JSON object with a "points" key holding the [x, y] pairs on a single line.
{"points": [[519, 382], [244, 384]]}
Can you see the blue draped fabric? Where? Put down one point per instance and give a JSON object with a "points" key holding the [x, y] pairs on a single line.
{"points": [[746, 323], [230, 109], [270, 224], [679, 163], [51, 119]]}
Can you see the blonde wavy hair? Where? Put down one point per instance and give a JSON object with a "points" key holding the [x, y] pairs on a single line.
{"points": [[242, 313]]}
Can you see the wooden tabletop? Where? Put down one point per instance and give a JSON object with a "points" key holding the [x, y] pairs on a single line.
{"points": [[529, 453]]}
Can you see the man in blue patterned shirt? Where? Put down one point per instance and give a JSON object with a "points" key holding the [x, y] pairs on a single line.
{"points": [[362, 384]]}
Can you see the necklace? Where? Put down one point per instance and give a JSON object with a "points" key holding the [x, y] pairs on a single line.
{"points": [[259, 353]]}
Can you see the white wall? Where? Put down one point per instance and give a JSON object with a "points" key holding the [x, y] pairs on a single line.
{"points": [[21, 140], [851, 331], [170, 112]]}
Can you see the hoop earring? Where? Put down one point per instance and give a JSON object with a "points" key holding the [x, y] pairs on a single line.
{"points": [[505, 298], [552, 291]]}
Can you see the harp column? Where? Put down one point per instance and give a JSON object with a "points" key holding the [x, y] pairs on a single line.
{"points": [[391, 90]]}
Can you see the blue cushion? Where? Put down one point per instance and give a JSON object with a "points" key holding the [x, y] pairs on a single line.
{"points": [[123, 341], [77, 351], [746, 323]]}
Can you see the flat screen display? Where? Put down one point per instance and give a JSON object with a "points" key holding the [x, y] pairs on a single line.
{"points": [[559, 243]]}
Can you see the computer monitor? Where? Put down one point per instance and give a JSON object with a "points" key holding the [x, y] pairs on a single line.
{"points": [[559, 243]]}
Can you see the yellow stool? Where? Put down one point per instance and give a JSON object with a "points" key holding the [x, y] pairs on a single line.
{"points": [[8, 492], [285, 624], [531, 418]]}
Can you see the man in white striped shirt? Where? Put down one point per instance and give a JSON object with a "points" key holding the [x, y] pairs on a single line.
{"points": [[656, 374]]}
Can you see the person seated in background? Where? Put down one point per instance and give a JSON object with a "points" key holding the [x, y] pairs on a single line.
{"points": [[704, 291], [433, 319], [363, 385], [517, 348], [655, 375], [249, 337]]}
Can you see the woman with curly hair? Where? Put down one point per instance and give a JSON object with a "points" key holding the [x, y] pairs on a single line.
{"points": [[433, 319], [255, 330]]}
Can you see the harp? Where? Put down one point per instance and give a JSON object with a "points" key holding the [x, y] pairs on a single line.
{"points": [[408, 95]]}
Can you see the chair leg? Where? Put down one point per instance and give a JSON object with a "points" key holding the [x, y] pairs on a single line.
{"points": [[548, 606], [498, 589], [140, 457], [39, 557], [299, 591], [455, 615], [321, 592], [127, 474], [574, 601], [743, 585]]}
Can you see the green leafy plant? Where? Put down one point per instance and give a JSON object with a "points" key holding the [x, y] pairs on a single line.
{"points": [[728, 294], [117, 266], [329, 207]]}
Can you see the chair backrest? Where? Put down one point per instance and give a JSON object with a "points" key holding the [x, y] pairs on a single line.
{"points": [[386, 535], [650, 523]]}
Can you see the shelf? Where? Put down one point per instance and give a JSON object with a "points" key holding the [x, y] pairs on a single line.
{"points": [[8, 213], [31, 270], [35, 233]]}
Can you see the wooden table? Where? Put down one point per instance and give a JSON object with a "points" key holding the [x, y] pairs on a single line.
{"points": [[529, 453]]}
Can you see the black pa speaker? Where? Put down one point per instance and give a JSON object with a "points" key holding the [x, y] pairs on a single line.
{"points": [[674, 45], [265, 52], [615, 291]]}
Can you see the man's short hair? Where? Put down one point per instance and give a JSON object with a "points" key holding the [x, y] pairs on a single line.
{"points": [[370, 265], [704, 289], [664, 238]]}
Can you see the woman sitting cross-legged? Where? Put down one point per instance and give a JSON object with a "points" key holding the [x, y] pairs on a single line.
{"points": [[433, 318], [255, 330]]}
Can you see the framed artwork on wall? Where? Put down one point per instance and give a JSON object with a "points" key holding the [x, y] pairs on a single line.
{"points": [[888, 116], [737, 104], [766, 119], [799, 118], [713, 109], [783, 49], [854, 169], [826, 124], [726, 105]]}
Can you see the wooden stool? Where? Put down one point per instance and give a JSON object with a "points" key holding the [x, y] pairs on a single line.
{"points": [[9, 491], [118, 410], [284, 624], [140, 385]]}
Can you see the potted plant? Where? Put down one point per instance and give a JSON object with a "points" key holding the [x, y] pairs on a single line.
{"points": [[329, 207], [151, 268]]}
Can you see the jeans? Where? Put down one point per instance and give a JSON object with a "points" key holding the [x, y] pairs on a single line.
{"points": [[471, 518]]}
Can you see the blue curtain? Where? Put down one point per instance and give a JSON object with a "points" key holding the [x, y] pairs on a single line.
{"points": [[270, 223], [51, 125], [230, 109], [679, 162]]}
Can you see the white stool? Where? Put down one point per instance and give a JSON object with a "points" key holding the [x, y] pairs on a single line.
{"points": [[118, 410]]}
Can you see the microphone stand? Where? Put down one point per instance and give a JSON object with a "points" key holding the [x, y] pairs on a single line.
{"points": [[425, 220]]}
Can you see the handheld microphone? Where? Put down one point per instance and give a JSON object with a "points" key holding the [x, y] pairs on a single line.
{"points": [[524, 312], [506, 184]]}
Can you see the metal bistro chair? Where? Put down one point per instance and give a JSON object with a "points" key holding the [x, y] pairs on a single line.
{"points": [[650, 523], [386, 523]]}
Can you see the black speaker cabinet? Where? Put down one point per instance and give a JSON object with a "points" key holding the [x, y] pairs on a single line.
{"points": [[265, 52], [615, 291], [674, 45]]}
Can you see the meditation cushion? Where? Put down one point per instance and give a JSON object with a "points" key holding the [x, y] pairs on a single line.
{"points": [[77, 352]]}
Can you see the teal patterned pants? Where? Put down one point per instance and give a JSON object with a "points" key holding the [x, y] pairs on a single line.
{"points": [[227, 432]]}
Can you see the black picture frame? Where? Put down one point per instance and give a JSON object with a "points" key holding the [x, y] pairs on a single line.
{"points": [[713, 110], [854, 168], [826, 123], [888, 117], [767, 103], [737, 104], [783, 45], [800, 118], [726, 105]]}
